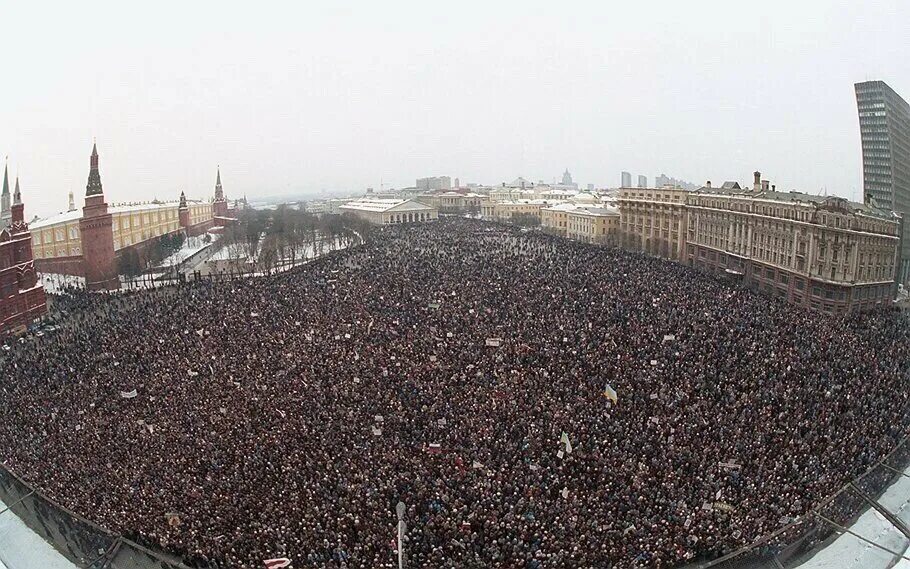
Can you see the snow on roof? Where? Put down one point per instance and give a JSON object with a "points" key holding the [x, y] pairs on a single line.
{"points": [[380, 205], [597, 211], [56, 219], [591, 209], [74, 215], [564, 207], [124, 207], [528, 202]]}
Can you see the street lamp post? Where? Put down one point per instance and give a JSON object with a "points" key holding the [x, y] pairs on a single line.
{"points": [[402, 528]]}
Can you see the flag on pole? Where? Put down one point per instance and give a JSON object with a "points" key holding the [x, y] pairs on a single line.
{"points": [[277, 563], [610, 393]]}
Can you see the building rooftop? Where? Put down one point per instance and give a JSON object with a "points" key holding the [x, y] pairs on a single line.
{"points": [[593, 209], [380, 205], [597, 211], [536, 201], [68, 216], [799, 197], [55, 219], [564, 207]]}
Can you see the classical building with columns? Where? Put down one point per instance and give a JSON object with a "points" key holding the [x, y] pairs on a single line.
{"points": [[22, 299], [87, 243], [390, 211], [821, 252]]}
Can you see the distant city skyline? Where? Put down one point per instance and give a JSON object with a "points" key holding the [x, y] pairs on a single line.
{"points": [[335, 99]]}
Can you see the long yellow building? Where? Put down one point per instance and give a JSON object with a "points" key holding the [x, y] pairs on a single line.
{"points": [[59, 236]]}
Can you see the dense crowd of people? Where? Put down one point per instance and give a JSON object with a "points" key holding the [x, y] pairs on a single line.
{"points": [[467, 370]]}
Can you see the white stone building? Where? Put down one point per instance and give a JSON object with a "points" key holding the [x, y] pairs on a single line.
{"points": [[390, 211]]}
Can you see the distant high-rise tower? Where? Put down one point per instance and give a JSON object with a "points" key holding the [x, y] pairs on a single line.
{"points": [[626, 180], [642, 181], [72, 204], [566, 178], [884, 125]]}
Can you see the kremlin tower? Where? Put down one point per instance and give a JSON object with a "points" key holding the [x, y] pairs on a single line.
{"points": [[220, 205], [96, 227], [25, 300]]}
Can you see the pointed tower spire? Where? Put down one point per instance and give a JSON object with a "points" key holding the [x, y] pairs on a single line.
{"points": [[219, 192], [93, 188], [17, 211], [6, 213]]}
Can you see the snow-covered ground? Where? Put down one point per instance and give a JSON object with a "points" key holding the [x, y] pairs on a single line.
{"points": [[190, 247], [850, 552], [21, 548], [303, 252], [53, 282]]}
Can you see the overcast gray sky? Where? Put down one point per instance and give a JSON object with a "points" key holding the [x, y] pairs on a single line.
{"points": [[309, 97]]}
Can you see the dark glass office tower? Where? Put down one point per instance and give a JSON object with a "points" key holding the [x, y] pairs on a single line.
{"points": [[884, 125]]}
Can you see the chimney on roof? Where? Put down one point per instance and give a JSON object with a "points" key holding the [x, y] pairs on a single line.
{"points": [[708, 184], [765, 185], [756, 184]]}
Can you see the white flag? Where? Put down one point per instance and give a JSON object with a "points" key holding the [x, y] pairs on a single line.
{"points": [[564, 439]]}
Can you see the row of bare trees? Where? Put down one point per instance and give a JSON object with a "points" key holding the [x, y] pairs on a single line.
{"points": [[266, 240], [133, 261]]}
